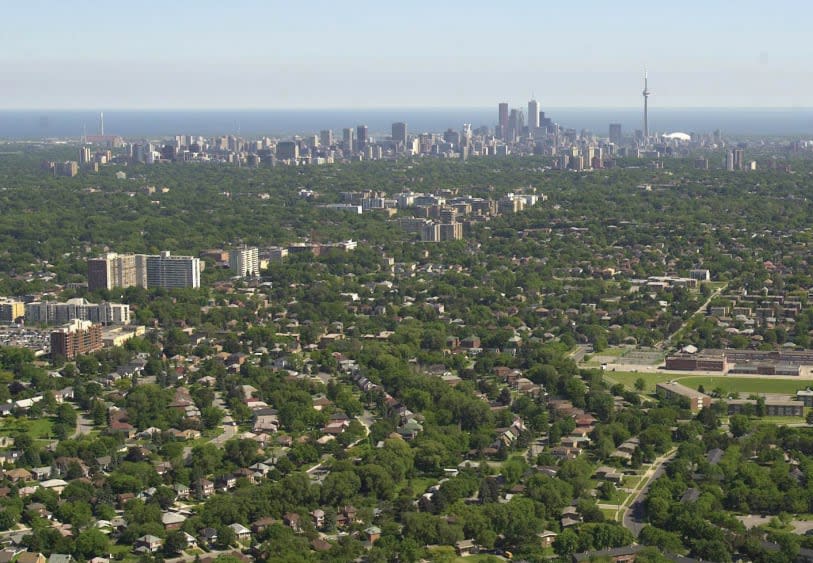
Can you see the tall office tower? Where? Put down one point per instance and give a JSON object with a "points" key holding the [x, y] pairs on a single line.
{"points": [[615, 133], [361, 137], [245, 261], [513, 129], [502, 124], [84, 155], [347, 140], [729, 160], [399, 132], [533, 116], [326, 138], [101, 124], [79, 337], [139, 154], [287, 150], [646, 93], [170, 272]]}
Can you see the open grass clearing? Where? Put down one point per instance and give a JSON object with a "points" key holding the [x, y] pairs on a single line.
{"points": [[40, 428], [728, 384], [744, 384]]}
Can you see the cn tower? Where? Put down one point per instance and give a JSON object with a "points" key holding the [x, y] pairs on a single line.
{"points": [[646, 109]]}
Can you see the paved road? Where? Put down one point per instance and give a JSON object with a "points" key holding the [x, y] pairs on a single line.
{"points": [[83, 425], [229, 428], [664, 344], [634, 517], [581, 350]]}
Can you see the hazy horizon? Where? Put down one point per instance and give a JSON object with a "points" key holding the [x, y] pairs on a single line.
{"points": [[254, 54]]}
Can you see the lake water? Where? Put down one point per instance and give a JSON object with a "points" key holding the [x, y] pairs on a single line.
{"points": [[134, 124]]}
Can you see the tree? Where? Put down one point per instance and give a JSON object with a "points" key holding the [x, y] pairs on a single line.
{"points": [[739, 425], [640, 384], [225, 537], [211, 417], [90, 543], [175, 543]]}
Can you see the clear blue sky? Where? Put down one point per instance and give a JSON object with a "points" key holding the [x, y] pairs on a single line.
{"points": [[365, 53]]}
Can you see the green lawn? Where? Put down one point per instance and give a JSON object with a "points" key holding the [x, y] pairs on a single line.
{"points": [[628, 378], [729, 384], [419, 485], [38, 429], [777, 420], [745, 384]]}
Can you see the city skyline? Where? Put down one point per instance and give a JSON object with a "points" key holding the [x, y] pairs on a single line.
{"points": [[261, 55]]}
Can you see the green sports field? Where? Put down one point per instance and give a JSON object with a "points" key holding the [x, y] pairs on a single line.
{"points": [[729, 384]]}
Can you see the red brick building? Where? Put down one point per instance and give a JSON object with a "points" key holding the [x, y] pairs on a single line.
{"points": [[76, 338]]}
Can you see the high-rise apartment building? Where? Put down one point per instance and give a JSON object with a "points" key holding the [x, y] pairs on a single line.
{"points": [[172, 272], [399, 132], [141, 270], [326, 138], [52, 312], [84, 155], [245, 262], [79, 337], [117, 270], [11, 310]]}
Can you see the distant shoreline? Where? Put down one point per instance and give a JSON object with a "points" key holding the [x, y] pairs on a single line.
{"points": [[33, 124]]}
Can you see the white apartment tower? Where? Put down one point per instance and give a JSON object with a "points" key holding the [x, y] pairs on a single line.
{"points": [[245, 262]]}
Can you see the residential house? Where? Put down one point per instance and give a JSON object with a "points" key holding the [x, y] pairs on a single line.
{"points": [[226, 483], [464, 548], [242, 533], [181, 491], [41, 473], [260, 525], [291, 519], [373, 534], [191, 541], [29, 557], [56, 485], [172, 520], [546, 539], [318, 517], [208, 536], [204, 488], [147, 544], [18, 475]]}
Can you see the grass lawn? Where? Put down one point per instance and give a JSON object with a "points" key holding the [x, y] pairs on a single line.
{"points": [[744, 384], [631, 482], [729, 384], [419, 485], [628, 378], [38, 429], [609, 514], [777, 420]]}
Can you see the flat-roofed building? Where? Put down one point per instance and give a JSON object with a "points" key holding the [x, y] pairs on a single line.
{"points": [[672, 390], [773, 407], [806, 396], [79, 337]]}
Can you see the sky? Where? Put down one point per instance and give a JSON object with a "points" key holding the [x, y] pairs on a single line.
{"points": [[246, 54]]}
